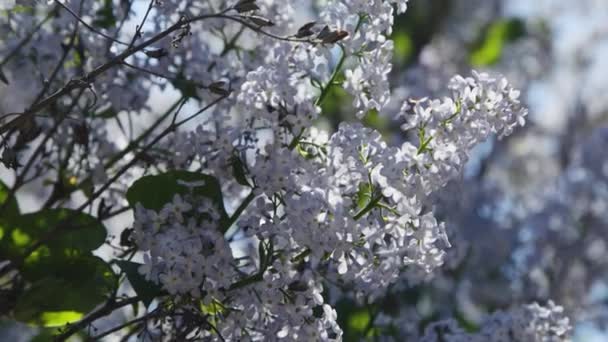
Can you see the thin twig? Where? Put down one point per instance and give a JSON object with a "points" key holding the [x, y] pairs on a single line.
{"points": [[90, 77], [192, 116], [55, 231], [141, 25], [132, 145], [20, 179], [66, 51], [105, 310], [157, 74], [258, 29], [91, 28], [152, 314]]}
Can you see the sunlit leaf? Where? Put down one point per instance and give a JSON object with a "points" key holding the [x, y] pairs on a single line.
{"points": [[491, 45], [59, 318], [364, 195], [355, 320], [403, 46], [12, 208], [72, 231]]}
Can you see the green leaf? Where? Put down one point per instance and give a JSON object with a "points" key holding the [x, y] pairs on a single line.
{"points": [[12, 208], [187, 87], [146, 290], [376, 121], [104, 17], [359, 320], [336, 105], [489, 48], [23, 9], [364, 195], [153, 192], [403, 46], [88, 188], [239, 172], [356, 320], [67, 292], [106, 113], [66, 264], [74, 62], [75, 232]]}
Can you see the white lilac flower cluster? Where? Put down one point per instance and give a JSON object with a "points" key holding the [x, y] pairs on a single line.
{"points": [[480, 106], [369, 22], [188, 256], [287, 304], [357, 213], [184, 249], [354, 215], [529, 323]]}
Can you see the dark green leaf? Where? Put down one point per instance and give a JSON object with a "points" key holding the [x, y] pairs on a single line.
{"points": [[12, 207], [219, 88], [146, 290], [45, 335], [104, 17], [238, 171], [87, 187], [106, 113], [75, 232], [334, 37], [68, 291], [187, 87], [306, 30], [153, 192], [246, 6], [157, 53]]}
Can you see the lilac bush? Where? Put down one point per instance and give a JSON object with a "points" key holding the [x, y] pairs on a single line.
{"points": [[244, 215]]}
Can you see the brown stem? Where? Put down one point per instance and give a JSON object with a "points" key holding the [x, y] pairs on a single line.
{"points": [[105, 310], [152, 314]]}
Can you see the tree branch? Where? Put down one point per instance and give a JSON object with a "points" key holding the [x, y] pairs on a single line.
{"points": [[105, 310]]}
